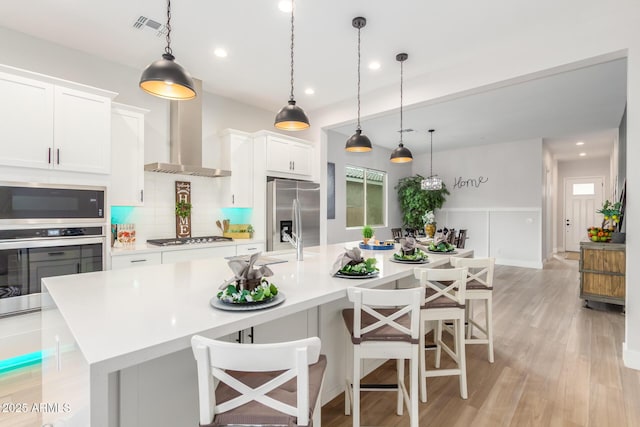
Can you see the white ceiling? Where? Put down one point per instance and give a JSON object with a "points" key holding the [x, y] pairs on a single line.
{"points": [[437, 35]]}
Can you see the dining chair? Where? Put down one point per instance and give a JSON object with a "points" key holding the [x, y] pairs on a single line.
{"points": [[396, 233], [479, 287], [461, 239], [445, 298], [384, 324], [451, 236], [259, 384]]}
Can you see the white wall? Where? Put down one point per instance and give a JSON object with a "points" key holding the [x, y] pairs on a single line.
{"points": [[548, 204], [496, 194], [377, 159], [575, 169], [156, 218]]}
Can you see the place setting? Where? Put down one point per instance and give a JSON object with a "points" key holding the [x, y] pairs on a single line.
{"points": [[441, 246], [352, 265], [410, 252], [249, 289]]}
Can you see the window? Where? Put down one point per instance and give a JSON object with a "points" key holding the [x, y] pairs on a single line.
{"points": [[366, 197], [588, 189]]}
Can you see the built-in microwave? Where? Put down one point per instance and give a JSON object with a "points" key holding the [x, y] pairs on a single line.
{"points": [[24, 203]]}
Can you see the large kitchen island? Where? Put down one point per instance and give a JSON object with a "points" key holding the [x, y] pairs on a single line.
{"points": [[118, 342]]}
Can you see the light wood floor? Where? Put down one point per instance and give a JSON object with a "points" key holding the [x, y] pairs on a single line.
{"points": [[556, 364]]}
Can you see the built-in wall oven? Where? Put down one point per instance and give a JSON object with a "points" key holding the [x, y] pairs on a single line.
{"points": [[47, 230]]}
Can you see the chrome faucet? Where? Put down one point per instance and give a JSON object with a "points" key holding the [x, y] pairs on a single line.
{"points": [[296, 235]]}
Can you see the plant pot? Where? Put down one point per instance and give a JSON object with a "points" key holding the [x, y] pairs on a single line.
{"points": [[409, 252], [366, 240], [618, 237]]}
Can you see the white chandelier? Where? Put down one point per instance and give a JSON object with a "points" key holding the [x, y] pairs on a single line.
{"points": [[432, 182]]}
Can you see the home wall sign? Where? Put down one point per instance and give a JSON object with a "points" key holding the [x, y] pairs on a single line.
{"points": [[183, 209], [461, 182]]}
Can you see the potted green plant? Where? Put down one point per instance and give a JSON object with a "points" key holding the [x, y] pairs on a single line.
{"points": [[367, 233], [414, 201], [183, 209], [250, 230]]}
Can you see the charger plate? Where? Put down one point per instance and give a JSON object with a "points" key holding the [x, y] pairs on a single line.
{"points": [[278, 299]]}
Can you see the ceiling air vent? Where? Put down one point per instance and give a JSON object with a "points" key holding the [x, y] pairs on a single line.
{"points": [[145, 23]]}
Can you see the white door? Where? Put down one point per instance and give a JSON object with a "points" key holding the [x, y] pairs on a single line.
{"points": [[582, 197]]}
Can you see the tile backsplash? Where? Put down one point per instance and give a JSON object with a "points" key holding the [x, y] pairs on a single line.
{"points": [[156, 219]]}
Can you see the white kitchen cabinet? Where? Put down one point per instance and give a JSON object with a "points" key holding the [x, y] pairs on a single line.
{"points": [[249, 248], [135, 260], [127, 155], [288, 156], [26, 119], [53, 124], [238, 146], [81, 131], [198, 253]]}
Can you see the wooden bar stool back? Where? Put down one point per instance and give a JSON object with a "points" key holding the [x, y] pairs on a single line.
{"points": [[479, 287], [259, 384], [384, 324], [445, 298], [396, 233]]}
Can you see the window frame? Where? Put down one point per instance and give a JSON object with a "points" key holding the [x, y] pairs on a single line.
{"points": [[385, 196]]}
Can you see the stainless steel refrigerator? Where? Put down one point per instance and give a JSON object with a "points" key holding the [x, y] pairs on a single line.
{"points": [[280, 196]]}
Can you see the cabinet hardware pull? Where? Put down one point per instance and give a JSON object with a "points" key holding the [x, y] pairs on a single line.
{"points": [[138, 260], [252, 249], [55, 253], [49, 156], [77, 267], [233, 199], [141, 195], [58, 154], [294, 164]]}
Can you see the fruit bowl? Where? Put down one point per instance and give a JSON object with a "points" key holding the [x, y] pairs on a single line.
{"points": [[599, 234]]}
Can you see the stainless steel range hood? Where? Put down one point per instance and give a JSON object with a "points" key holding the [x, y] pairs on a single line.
{"points": [[185, 140]]}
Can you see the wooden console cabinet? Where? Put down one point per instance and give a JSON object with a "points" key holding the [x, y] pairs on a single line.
{"points": [[602, 272]]}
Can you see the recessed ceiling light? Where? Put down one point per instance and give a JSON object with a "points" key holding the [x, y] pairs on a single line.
{"points": [[583, 154], [309, 91], [220, 52], [374, 65], [580, 143], [285, 6]]}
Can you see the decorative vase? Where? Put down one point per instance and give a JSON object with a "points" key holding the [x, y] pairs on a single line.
{"points": [[430, 229]]}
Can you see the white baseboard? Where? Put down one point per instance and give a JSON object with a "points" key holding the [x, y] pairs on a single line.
{"points": [[631, 358], [519, 263]]}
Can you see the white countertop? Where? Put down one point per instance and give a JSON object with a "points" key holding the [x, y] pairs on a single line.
{"points": [[120, 318], [143, 248]]}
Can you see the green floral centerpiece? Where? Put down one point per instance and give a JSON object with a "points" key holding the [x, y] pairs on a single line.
{"points": [[441, 246], [410, 250], [351, 263], [249, 285]]}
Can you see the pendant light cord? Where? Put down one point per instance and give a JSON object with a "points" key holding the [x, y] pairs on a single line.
{"points": [[431, 156], [401, 78], [293, 6], [167, 49], [358, 128]]}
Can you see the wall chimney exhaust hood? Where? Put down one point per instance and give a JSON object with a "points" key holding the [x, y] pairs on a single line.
{"points": [[185, 140]]}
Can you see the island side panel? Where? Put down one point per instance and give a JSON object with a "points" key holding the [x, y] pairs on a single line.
{"points": [[65, 372]]}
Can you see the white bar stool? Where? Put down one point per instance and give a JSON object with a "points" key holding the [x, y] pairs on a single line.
{"points": [[259, 384], [384, 324], [445, 298], [479, 287]]}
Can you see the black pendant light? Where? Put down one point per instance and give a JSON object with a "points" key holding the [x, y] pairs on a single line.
{"points": [[291, 117], [401, 154], [432, 182], [165, 77], [358, 142]]}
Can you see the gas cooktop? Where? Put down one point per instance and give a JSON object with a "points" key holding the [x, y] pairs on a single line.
{"points": [[189, 241]]}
